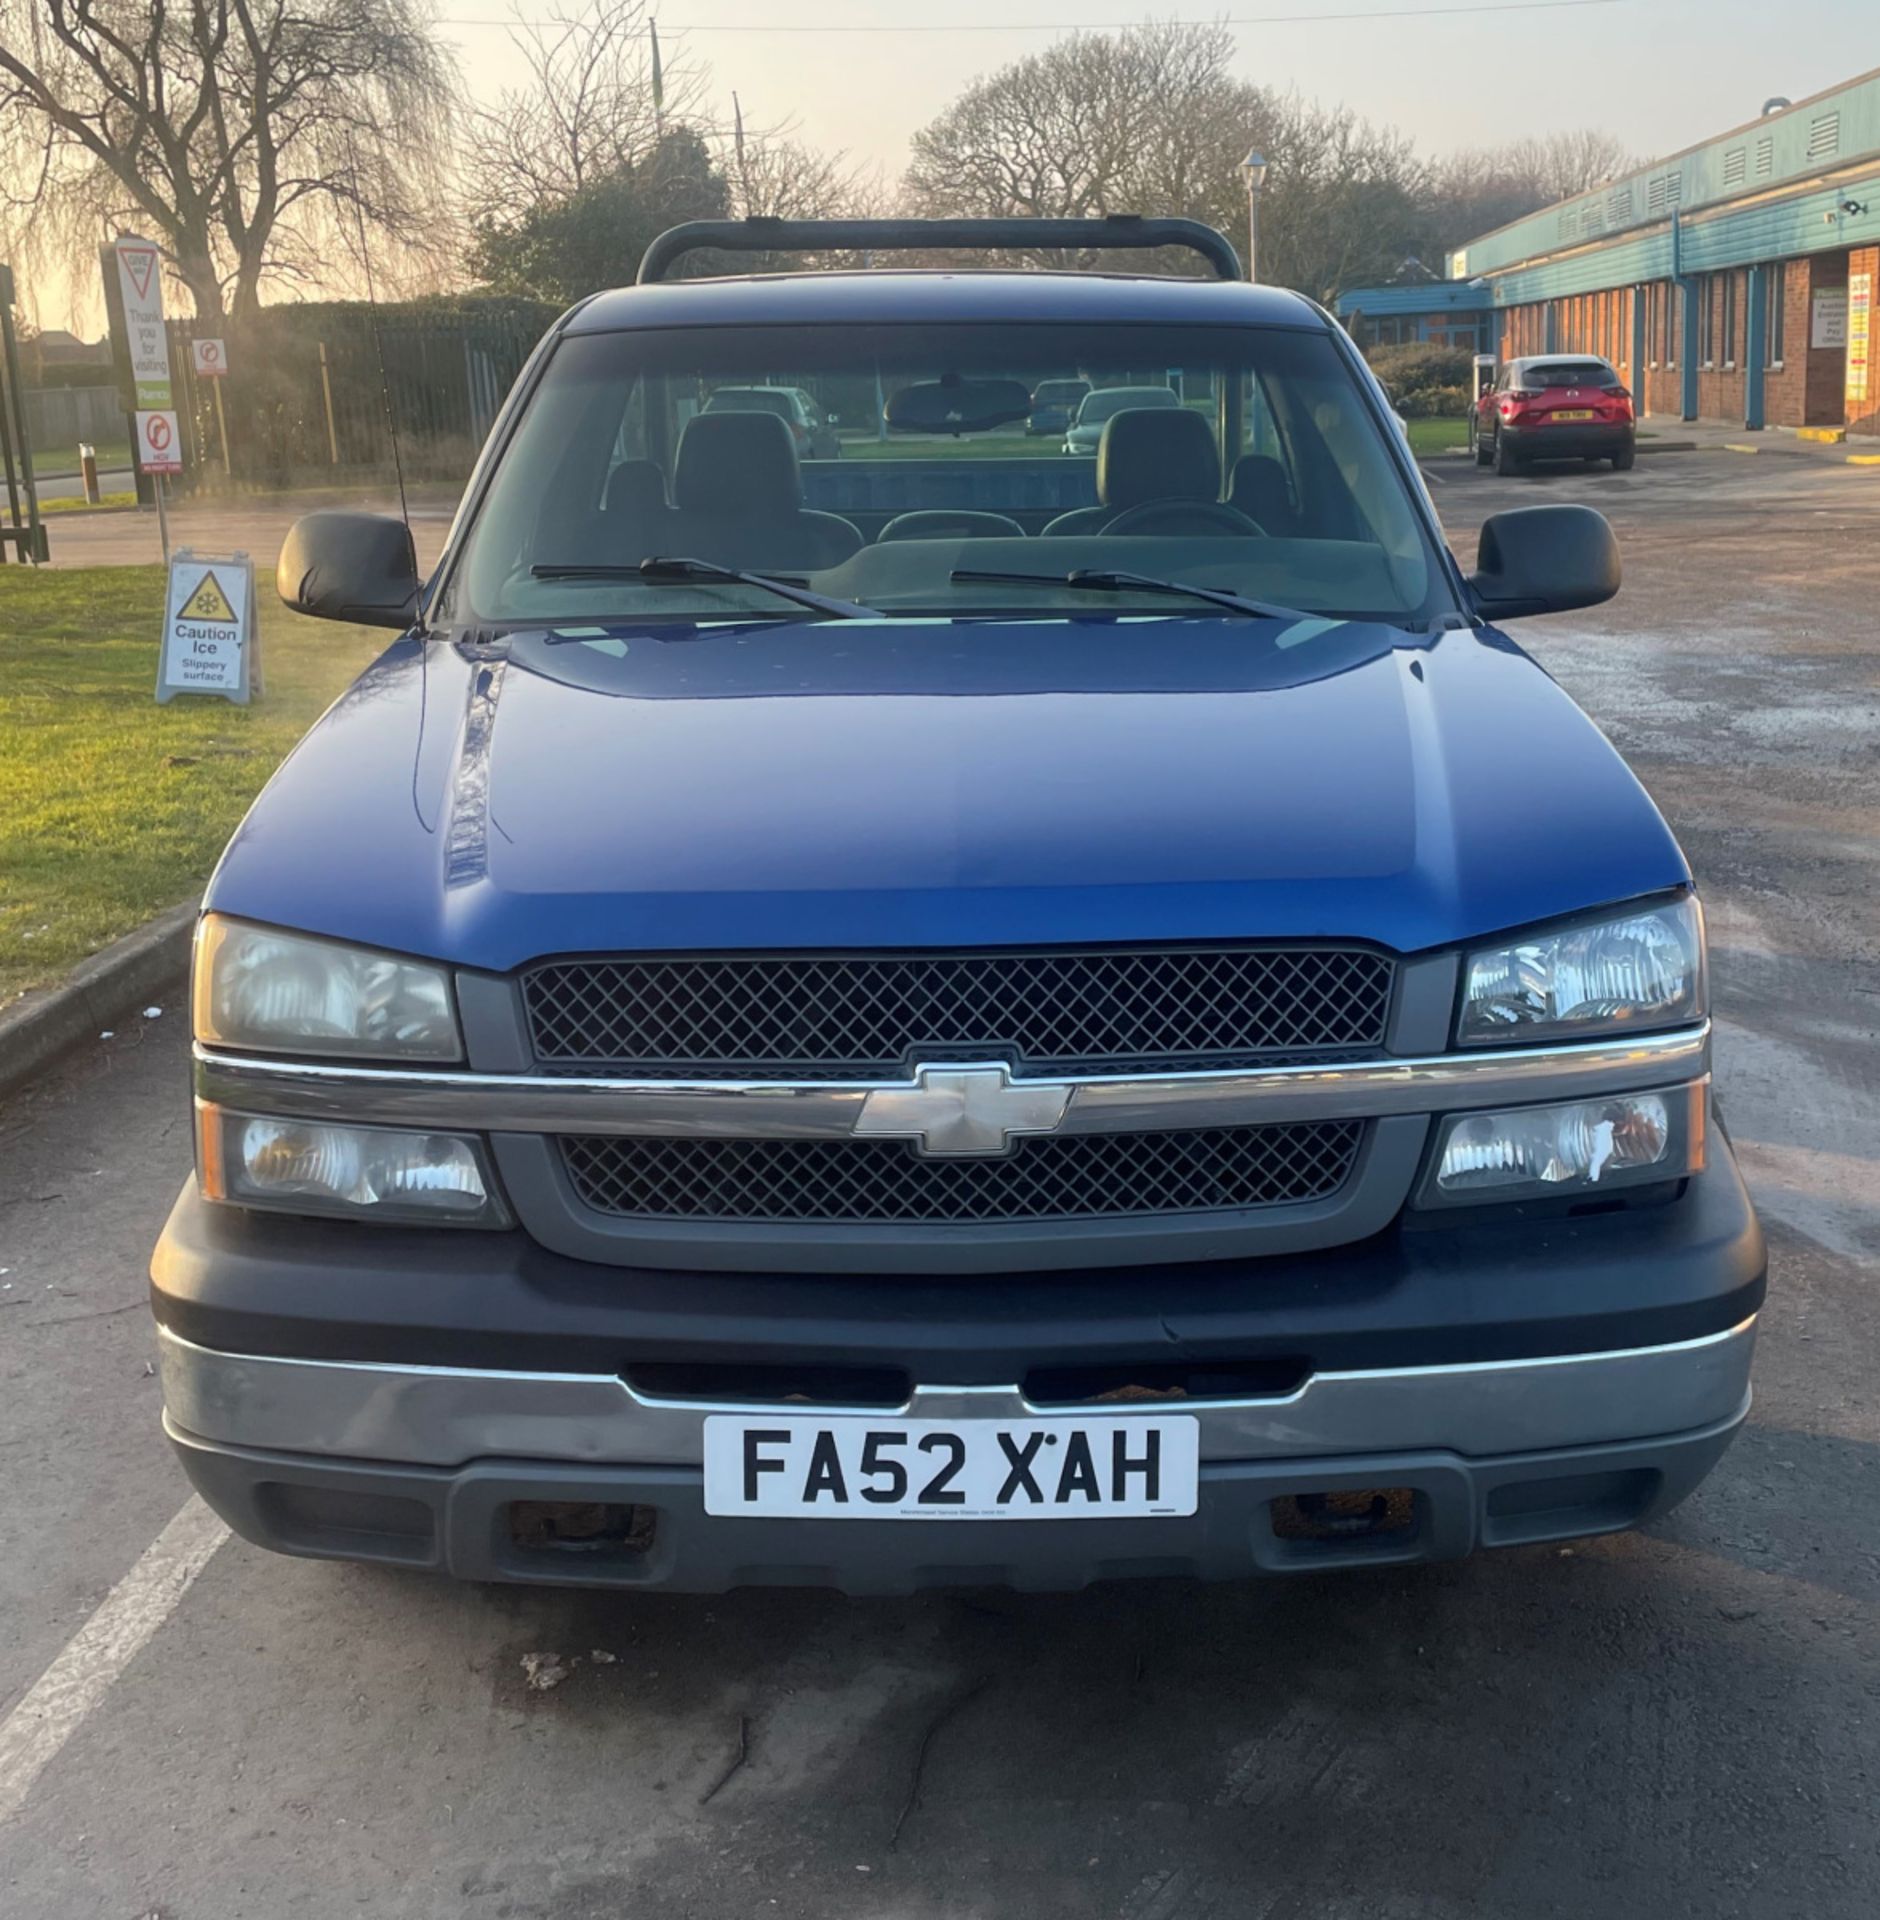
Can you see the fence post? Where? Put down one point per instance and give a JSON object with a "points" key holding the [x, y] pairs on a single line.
{"points": [[326, 388], [221, 427]]}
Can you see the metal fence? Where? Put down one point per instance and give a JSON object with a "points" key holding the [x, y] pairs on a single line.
{"points": [[59, 418], [303, 403]]}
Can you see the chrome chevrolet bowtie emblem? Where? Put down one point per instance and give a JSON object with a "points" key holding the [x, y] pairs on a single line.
{"points": [[963, 1109]]}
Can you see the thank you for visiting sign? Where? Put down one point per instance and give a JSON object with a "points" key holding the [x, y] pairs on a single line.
{"points": [[209, 629], [140, 290]]}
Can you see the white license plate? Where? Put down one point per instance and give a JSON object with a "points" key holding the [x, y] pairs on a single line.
{"points": [[848, 1468]]}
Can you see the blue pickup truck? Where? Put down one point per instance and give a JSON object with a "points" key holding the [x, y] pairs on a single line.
{"points": [[958, 1014]]}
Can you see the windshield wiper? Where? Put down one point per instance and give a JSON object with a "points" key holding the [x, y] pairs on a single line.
{"points": [[1094, 580], [666, 568]]}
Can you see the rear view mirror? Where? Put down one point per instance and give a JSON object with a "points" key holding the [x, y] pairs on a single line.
{"points": [[350, 566], [954, 405], [1544, 560]]}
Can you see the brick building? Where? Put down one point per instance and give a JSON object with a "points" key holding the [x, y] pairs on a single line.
{"points": [[1428, 312], [1734, 281]]}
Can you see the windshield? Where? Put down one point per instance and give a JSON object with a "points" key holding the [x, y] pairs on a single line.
{"points": [[1243, 459]]}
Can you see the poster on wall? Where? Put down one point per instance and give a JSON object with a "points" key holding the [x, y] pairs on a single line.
{"points": [[1859, 333], [1827, 326]]}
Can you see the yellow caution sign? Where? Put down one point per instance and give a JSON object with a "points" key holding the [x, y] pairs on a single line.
{"points": [[209, 602], [209, 629]]}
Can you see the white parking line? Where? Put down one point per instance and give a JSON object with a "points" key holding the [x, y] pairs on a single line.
{"points": [[32, 1734]]}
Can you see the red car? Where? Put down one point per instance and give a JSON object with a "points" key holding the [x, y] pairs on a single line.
{"points": [[1556, 406]]}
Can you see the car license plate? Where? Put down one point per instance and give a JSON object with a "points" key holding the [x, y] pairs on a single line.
{"points": [[1574, 413], [849, 1468]]}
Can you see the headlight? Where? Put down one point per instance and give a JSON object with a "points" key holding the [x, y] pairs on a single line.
{"points": [[1580, 1146], [286, 992], [376, 1173], [1634, 970]]}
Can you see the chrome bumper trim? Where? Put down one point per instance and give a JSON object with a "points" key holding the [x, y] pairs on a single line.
{"points": [[1111, 1103], [447, 1416]]}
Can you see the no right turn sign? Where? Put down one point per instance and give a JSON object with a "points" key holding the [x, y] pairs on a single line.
{"points": [[159, 445]]}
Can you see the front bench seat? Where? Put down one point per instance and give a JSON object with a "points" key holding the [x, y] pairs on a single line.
{"points": [[738, 499], [1148, 454]]}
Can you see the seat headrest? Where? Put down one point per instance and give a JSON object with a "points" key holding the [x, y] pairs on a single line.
{"points": [[1157, 453], [1259, 489], [636, 490], [740, 465]]}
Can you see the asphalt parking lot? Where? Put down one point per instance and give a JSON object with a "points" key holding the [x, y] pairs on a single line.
{"points": [[1681, 1722]]}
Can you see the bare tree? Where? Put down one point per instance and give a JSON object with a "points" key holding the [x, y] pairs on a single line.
{"points": [[1563, 164], [1095, 124], [1152, 120], [586, 134], [1343, 198], [779, 176], [583, 111], [772, 174], [243, 136], [1483, 188]]}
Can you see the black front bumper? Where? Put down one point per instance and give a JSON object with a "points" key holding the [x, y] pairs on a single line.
{"points": [[462, 1521], [1488, 1287], [1658, 1272]]}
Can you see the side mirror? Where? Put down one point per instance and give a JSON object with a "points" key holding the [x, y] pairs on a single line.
{"points": [[350, 566], [1544, 560]]}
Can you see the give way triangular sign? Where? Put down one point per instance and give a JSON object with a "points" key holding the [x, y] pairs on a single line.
{"points": [[140, 263]]}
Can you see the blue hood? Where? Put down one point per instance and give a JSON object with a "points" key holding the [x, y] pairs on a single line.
{"points": [[934, 784]]}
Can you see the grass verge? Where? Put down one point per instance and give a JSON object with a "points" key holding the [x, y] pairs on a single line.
{"points": [[116, 808], [55, 463], [1437, 436], [104, 500]]}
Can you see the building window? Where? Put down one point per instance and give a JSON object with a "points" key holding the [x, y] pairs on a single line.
{"points": [[1824, 135], [1765, 156], [1668, 321], [1735, 166], [1778, 312], [1729, 320], [1706, 322]]}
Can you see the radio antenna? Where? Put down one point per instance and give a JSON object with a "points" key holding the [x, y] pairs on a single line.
{"points": [[378, 339]]}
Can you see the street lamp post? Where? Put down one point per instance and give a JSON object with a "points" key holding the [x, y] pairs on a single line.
{"points": [[1253, 170]]}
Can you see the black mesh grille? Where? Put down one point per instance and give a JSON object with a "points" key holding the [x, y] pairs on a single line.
{"points": [[858, 1016], [1051, 1177]]}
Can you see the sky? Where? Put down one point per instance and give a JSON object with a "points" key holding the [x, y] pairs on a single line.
{"points": [[862, 75], [1661, 74]]}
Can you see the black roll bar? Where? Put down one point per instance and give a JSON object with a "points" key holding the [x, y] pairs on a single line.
{"points": [[769, 234]]}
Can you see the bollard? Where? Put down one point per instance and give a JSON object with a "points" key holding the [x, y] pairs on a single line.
{"points": [[88, 472]]}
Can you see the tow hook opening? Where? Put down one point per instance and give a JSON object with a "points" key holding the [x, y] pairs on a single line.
{"points": [[1346, 1517], [581, 1527]]}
